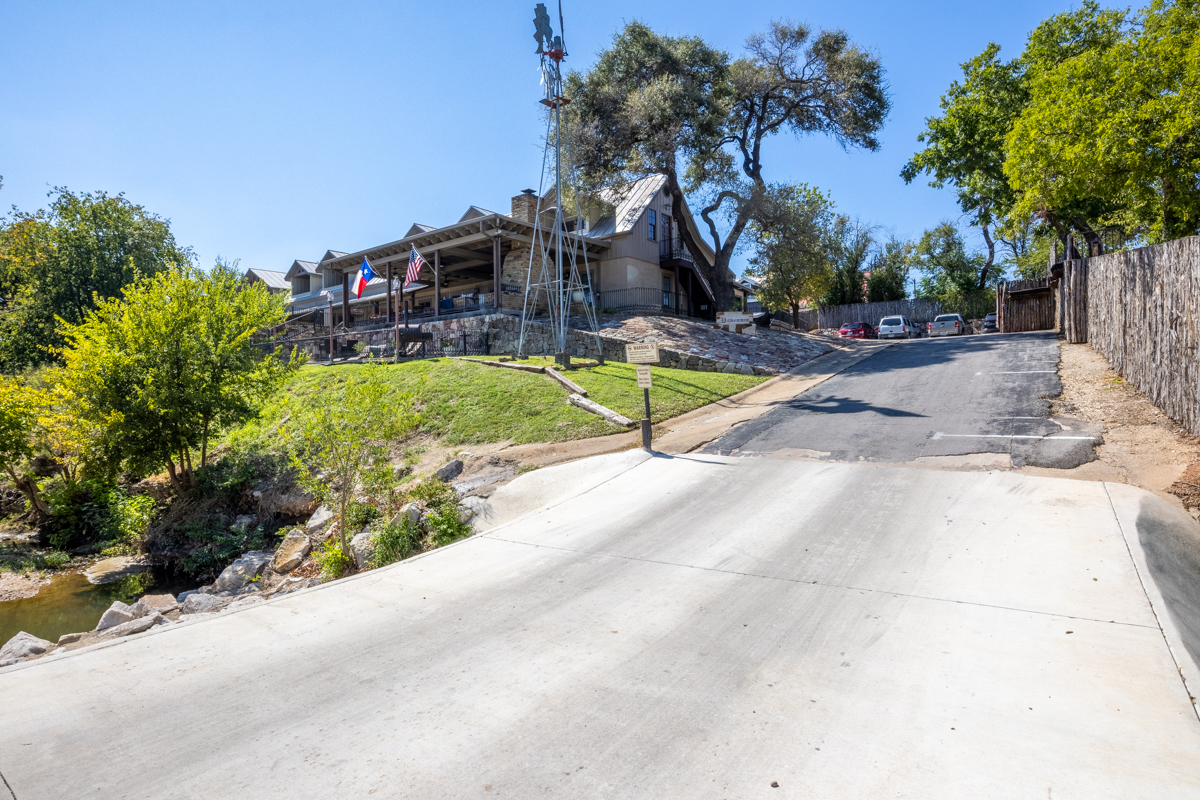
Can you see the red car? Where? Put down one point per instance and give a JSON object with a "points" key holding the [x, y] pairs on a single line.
{"points": [[857, 330]]}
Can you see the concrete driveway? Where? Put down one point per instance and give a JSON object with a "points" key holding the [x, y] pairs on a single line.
{"points": [[691, 627], [929, 398]]}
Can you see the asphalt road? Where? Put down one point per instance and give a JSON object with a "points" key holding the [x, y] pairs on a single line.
{"points": [[927, 398], [658, 627]]}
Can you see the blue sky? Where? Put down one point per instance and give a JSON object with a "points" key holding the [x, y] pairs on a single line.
{"points": [[269, 131]]}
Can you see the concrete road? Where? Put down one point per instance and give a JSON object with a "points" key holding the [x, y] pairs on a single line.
{"points": [[929, 398], [687, 627]]}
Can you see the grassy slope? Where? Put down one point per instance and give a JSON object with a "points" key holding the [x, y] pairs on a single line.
{"points": [[465, 403]]}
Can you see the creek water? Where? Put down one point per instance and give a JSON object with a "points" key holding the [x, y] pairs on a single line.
{"points": [[69, 603]]}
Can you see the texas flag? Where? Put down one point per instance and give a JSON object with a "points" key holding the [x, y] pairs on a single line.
{"points": [[365, 273]]}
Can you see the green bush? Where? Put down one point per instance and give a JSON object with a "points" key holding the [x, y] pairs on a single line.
{"points": [[214, 545], [56, 559], [396, 542], [445, 526], [93, 512], [359, 515], [333, 562]]}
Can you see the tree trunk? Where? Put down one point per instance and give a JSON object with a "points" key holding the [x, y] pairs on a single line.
{"points": [[1095, 246], [346, 551], [176, 484], [204, 436], [796, 315], [26, 486], [991, 256]]}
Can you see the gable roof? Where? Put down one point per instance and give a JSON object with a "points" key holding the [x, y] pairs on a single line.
{"points": [[418, 228], [301, 267], [273, 279], [475, 212], [629, 202], [331, 254]]}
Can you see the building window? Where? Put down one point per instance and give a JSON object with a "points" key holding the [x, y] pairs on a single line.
{"points": [[667, 300], [653, 224]]}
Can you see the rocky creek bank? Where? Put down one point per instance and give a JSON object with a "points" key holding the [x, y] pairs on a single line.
{"points": [[252, 578]]}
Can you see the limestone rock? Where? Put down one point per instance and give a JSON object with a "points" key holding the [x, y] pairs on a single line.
{"points": [[183, 596], [465, 513], [297, 504], [244, 522], [118, 613], [135, 626], [291, 551], [21, 647], [478, 506], [450, 471], [199, 603], [150, 603], [70, 638], [113, 569], [242, 573], [363, 547], [412, 511], [320, 518]]}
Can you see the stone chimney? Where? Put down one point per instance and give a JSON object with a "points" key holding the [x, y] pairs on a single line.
{"points": [[524, 205]]}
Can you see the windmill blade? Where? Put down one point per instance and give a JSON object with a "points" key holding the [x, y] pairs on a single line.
{"points": [[562, 32]]}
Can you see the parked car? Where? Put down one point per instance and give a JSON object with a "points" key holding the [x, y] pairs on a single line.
{"points": [[948, 325], [990, 324], [857, 330], [897, 328]]}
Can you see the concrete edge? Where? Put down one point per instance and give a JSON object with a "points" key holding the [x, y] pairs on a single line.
{"points": [[1126, 502]]}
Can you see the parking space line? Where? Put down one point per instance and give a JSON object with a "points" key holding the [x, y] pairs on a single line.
{"points": [[940, 435]]}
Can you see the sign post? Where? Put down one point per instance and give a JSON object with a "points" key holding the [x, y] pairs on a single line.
{"points": [[643, 355]]}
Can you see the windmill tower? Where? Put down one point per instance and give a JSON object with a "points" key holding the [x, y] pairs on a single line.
{"points": [[558, 283]]}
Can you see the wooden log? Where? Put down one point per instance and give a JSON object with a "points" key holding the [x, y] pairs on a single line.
{"points": [[599, 410], [506, 364], [566, 382]]}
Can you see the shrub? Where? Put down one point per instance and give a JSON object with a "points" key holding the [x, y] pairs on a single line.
{"points": [[86, 512], [396, 542], [445, 526], [214, 545], [329, 557], [56, 559], [359, 515]]}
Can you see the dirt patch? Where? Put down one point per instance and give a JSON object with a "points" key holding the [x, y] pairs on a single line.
{"points": [[17, 587], [1142, 446]]}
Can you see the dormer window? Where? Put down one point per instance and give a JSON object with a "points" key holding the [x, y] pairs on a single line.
{"points": [[652, 221]]}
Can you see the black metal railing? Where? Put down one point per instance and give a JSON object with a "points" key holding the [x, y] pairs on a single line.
{"points": [[674, 249], [413, 345]]}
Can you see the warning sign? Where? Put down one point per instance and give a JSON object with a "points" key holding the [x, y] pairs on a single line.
{"points": [[643, 376]]}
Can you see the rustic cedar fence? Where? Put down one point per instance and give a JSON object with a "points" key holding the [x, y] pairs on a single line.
{"points": [[1026, 305], [1073, 300], [916, 310], [1142, 310]]}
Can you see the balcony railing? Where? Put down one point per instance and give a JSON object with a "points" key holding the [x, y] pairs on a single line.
{"points": [[650, 301], [674, 249]]}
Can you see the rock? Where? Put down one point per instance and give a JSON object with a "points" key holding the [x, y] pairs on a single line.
{"points": [[242, 573], [412, 511], [291, 551], [135, 626], [152, 602], [118, 613], [185, 595], [70, 638], [450, 471], [113, 569], [363, 546], [478, 506], [244, 522], [320, 518], [465, 513], [297, 504], [199, 603], [21, 647]]}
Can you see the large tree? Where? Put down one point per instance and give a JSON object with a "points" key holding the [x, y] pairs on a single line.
{"points": [[888, 279], [171, 365], [949, 269], [792, 261], [851, 242], [658, 104], [55, 265]]}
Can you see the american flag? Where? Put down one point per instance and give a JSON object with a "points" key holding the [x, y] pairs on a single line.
{"points": [[415, 262]]}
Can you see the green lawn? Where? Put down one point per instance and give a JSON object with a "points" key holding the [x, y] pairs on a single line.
{"points": [[464, 403]]}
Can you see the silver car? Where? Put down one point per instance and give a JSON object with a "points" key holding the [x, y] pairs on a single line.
{"points": [[898, 328]]}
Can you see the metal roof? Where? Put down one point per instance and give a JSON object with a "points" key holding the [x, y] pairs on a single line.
{"points": [[629, 203], [302, 267], [273, 279], [475, 212]]}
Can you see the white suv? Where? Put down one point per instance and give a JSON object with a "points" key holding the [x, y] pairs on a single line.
{"points": [[897, 328]]}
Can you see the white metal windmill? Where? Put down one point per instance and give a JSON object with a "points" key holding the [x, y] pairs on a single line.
{"points": [[559, 281]]}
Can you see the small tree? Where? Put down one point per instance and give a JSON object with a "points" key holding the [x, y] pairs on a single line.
{"points": [[343, 432], [791, 237], [171, 365], [19, 407], [889, 272], [851, 242]]}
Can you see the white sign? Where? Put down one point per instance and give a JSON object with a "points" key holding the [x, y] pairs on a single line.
{"points": [[643, 375], [734, 318], [637, 353]]}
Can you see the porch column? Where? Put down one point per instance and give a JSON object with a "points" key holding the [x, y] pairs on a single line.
{"points": [[437, 283], [677, 288], [496, 271], [390, 317], [345, 301]]}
